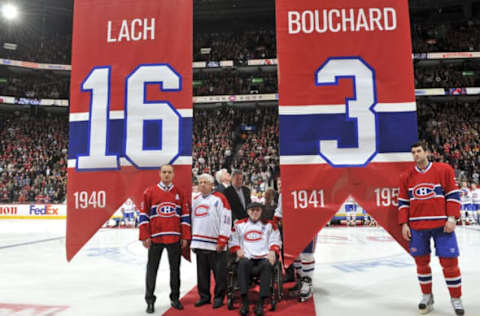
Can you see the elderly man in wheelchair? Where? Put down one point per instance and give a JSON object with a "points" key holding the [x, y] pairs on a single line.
{"points": [[256, 244]]}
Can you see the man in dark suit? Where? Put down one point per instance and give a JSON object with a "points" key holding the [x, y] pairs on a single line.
{"points": [[238, 196]]}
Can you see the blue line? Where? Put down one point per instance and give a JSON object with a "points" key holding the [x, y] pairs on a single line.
{"points": [[30, 242]]}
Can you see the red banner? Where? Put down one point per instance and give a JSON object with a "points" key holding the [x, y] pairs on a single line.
{"points": [[347, 110], [131, 106]]}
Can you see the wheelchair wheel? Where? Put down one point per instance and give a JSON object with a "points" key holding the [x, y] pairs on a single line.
{"points": [[278, 287]]}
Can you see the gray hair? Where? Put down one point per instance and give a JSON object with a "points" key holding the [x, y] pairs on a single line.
{"points": [[219, 174], [206, 176], [237, 171]]}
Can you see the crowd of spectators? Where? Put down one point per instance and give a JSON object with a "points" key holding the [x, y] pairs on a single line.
{"points": [[36, 84], [446, 37], [213, 136], [448, 75], [237, 138], [239, 47], [230, 81], [33, 157], [30, 46], [258, 152], [451, 130]]}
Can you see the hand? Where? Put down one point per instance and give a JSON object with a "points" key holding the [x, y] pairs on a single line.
{"points": [[406, 233], [183, 243], [240, 253], [449, 227], [147, 242], [271, 257], [220, 248]]}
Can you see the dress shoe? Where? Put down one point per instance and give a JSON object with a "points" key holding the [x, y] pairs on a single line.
{"points": [[150, 308], [202, 302], [176, 304], [218, 302], [244, 310]]}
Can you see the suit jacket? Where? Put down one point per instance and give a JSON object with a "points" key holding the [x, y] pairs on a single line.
{"points": [[220, 188], [238, 211]]}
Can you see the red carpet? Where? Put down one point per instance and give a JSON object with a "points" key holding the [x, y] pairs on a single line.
{"points": [[288, 306]]}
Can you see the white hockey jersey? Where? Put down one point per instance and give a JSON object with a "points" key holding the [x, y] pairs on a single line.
{"points": [[255, 239], [465, 196], [476, 196], [211, 221]]}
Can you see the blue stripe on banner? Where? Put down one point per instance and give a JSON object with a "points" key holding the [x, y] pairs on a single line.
{"points": [[78, 138], [403, 203], [454, 282], [424, 279], [397, 131]]}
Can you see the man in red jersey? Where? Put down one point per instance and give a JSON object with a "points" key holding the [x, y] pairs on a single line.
{"points": [[164, 223], [429, 203]]}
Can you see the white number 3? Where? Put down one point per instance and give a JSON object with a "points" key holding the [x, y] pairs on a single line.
{"points": [[359, 108]]}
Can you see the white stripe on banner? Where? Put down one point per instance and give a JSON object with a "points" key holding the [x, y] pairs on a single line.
{"points": [[119, 115], [316, 159], [181, 160], [341, 108]]}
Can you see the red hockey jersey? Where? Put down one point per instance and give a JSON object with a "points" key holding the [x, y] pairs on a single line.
{"points": [[427, 197], [165, 215]]}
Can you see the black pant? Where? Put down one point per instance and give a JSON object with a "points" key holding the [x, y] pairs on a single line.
{"points": [[209, 260], [248, 267], [154, 256]]}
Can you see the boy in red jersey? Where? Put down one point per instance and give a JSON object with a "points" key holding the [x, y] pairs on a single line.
{"points": [[164, 223], [429, 203]]}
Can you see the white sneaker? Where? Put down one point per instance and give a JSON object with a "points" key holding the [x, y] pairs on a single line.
{"points": [[306, 289], [426, 304], [458, 306]]}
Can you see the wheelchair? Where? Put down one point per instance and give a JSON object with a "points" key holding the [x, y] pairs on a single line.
{"points": [[233, 288]]}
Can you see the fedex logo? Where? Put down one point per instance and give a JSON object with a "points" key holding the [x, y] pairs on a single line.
{"points": [[8, 210], [43, 210], [252, 235], [423, 191]]}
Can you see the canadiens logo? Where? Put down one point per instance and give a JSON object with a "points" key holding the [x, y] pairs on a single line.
{"points": [[252, 235], [166, 209], [423, 191], [201, 210]]}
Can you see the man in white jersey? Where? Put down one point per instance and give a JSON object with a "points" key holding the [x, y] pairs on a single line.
{"points": [[351, 211], [211, 227], [128, 210], [476, 202], [255, 242], [466, 199]]}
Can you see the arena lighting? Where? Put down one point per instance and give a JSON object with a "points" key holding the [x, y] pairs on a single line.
{"points": [[9, 11]]}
